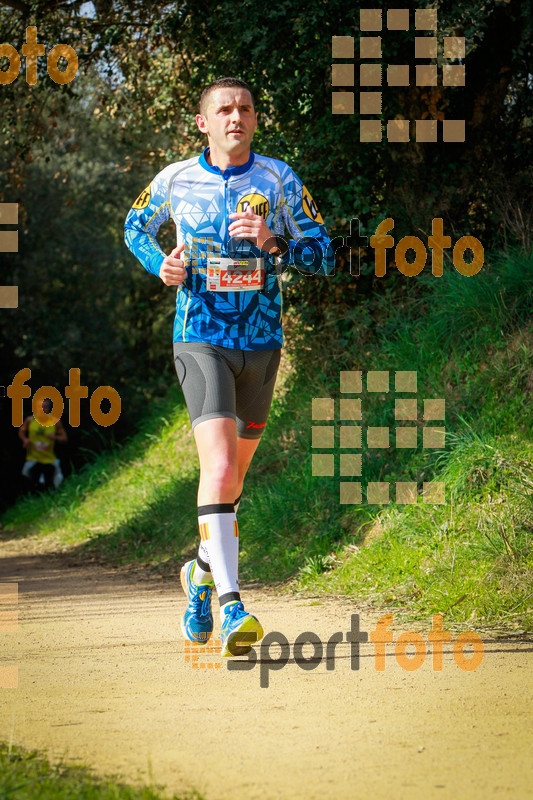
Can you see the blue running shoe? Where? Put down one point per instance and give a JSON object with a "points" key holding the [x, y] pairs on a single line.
{"points": [[238, 622], [197, 622]]}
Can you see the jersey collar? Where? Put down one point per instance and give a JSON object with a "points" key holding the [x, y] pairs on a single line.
{"points": [[230, 171]]}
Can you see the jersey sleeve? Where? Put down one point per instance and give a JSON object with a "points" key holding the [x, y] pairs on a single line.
{"points": [[147, 214], [310, 247]]}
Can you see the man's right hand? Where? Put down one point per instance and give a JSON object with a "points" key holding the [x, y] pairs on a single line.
{"points": [[173, 271]]}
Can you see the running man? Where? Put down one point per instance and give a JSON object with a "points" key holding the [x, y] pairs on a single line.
{"points": [[231, 207]]}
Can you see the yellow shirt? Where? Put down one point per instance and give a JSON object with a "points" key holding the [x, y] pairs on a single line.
{"points": [[41, 448]]}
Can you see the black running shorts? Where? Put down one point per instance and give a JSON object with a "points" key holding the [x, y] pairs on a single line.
{"points": [[222, 382]]}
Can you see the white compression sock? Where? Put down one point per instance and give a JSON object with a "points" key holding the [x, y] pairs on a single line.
{"points": [[202, 571], [219, 533]]}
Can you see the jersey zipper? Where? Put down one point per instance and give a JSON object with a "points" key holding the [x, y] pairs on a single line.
{"points": [[226, 236]]}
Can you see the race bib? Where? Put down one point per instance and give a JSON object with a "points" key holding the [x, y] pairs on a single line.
{"points": [[41, 446], [235, 275]]}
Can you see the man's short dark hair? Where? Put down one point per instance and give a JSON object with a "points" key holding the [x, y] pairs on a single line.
{"points": [[222, 83]]}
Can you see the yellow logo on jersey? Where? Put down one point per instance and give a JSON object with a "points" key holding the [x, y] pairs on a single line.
{"points": [[143, 199], [258, 203], [310, 208]]}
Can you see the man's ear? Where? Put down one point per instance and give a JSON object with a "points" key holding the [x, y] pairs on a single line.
{"points": [[201, 122]]}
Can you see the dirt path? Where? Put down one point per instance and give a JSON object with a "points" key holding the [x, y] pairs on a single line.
{"points": [[103, 679]]}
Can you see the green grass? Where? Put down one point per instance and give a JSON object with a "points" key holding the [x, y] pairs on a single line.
{"points": [[470, 559], [26, 775], [471, 342]]}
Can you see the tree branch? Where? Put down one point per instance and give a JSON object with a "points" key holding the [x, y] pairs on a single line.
{"points": [[24, 7]]}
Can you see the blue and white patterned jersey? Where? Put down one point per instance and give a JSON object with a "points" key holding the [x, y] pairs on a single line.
{"points": [[199, 198]]}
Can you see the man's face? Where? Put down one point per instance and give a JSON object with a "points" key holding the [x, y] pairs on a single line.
{"points": [[229, 120]]}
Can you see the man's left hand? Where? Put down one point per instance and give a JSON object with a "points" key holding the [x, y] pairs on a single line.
{"points": [[247, 225]]}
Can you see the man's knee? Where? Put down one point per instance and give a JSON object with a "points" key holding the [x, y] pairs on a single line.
{"points": [[221, 472]]}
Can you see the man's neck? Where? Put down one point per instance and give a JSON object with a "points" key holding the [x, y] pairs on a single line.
{"points": [[223, 160]]}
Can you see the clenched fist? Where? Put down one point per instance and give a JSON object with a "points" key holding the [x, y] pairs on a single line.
{"points": [[247, 225], [173, 271]]}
